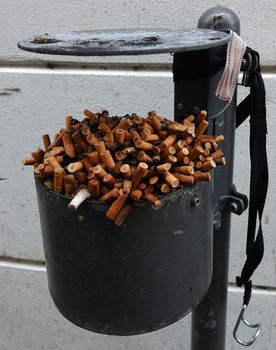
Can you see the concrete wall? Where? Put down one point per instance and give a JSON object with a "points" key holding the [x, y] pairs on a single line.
{"points": [[37, 92]]}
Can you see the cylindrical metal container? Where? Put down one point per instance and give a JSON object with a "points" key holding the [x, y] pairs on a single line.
{"points": [[132, 279]]}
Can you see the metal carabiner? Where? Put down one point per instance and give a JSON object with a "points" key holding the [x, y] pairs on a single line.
{"points": [[248, 324]]}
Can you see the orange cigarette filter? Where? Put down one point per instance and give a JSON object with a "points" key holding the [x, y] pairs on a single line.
{"points": [[109, 195], [195, 152], [73, 167], [127, 184], [94, 188], [169, 141], [89, 114], [37, 154], [139, 174], [116, 206], [58, 180], [80, 140], [200, 176], [122, 215], [136, 195], [120, 135], [217, 154], [144, 145], [105, 129], [208, 164], [185, 169], [171, 179], [201, 128], [109, 180], [99, 171], [126, 170], [29, 161], [163, 167], [91, 139], [88, 166], [107, 159], [188, 179], [94, 157], [68, 145], [153, 199], [201, 116], [80, 176], [46, 141], [165, 188], [54, 163], [100, 147]]}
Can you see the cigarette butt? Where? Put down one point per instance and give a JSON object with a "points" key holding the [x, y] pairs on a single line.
{"points": [[195, 152], [149, 189], [125, 171], [80, 197], [171, 150], [134, 134], [145, 146], [54, 163], [46, 141], [122, 215], [68, 121], [68, 145], [165, 188], [190, 118], [69, 184], [153, 199], [219, 138], [185, 170], [169, 141], [139, 174], [207, 138], [94, 188], [188, 179], [163, 167], [100, 147], [58, 180], [147, 126], [221, 161], [85, 130], [109, 195], [89, 114], [125, 123], [201, 128], [80, 176], [171, 159], [129, 150], [156, 150], [153, 180], [150, 137], [142, 186], [91, 139], [115, 207], [201, 116], [137, 120], [109, 180], [143, 157], [178, 145], [217, 154], [177, 127], [127, 184], [208, 164], [154, 122], [208, 145], [107, 159], [80, 140], [109, 138], [88, 166], [186, 160], [37, 154], [29, 161], [136, 195], [104, 128], [199, 176], [171, 179], [182, 153], [120, 135], [48, 171], [120, 155], [94, 158], [99, 171], [73, 167]]}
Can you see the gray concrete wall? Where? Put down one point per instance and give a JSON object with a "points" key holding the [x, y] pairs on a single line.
{"points": [[34, 99]]}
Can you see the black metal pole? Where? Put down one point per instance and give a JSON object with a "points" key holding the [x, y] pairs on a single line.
{"points": [[209, 318]]}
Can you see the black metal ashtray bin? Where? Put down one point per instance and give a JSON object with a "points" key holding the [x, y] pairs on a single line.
{"points": [[128, 280], [155, 269]]}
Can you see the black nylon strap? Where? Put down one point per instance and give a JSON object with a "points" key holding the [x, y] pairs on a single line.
{"points": [[254, 105]]}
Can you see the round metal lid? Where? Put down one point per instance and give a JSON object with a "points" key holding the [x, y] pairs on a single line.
{"points": [[125, 42]]}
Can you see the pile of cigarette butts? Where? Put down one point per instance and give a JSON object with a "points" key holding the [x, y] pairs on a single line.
{"points": [[124, 159]]}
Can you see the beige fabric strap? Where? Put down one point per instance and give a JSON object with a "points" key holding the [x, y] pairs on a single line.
{"points": [[228, 81]]}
